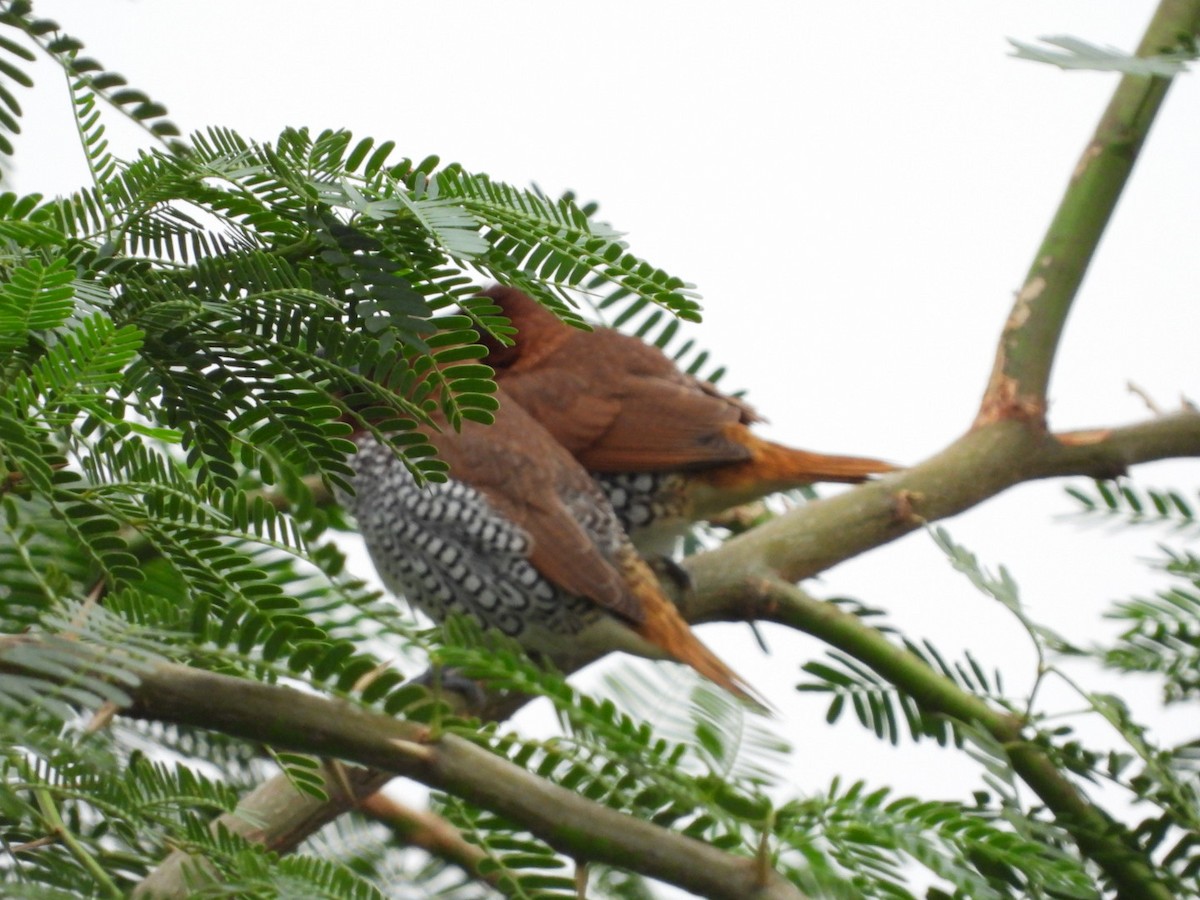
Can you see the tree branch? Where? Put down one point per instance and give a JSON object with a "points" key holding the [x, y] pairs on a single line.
{"points": [[1107, 453], [432, 833], [276, 815], [732, 582], [979, 465], [306, 723], [1098, 836], [1021, 375], [752, 575]]}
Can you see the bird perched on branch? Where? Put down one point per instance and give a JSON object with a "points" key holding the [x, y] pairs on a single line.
{"points": [[523, 540], [668, 448]]}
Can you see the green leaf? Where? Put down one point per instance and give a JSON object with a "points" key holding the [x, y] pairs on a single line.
{"points": [[35, 297], [1075, 53]]}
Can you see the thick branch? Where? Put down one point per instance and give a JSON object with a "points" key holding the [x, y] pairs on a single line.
{"points": [[1109, 452], [278, 816], [976, 467], [751, 577], [305, 723], [1017, 387]]}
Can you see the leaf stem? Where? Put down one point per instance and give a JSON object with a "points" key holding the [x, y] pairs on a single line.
{"points": [[50, 813]]}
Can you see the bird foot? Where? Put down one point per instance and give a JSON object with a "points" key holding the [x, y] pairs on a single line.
{"points": [[673, 576]]}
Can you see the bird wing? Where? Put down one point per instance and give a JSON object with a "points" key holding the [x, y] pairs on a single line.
{"points": [[530, 479], [617, 420], [663, 425], [615, 402]]}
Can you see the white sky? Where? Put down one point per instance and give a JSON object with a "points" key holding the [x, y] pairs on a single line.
{"points": [[873, 176]]}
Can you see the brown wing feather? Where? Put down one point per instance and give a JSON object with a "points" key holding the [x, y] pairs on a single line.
{"points": [[575, 416], [615, 402], [663, 426], [530, 479]]}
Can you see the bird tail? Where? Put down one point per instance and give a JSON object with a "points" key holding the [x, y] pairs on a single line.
{"points": [[772, 467], [670, 637], [779, 463]]}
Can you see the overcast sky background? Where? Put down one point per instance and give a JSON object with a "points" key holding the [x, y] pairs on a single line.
{"points": [[874, 177]]}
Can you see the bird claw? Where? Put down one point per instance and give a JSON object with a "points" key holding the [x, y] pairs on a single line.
{"points": [[904, 507], [669, 572]]}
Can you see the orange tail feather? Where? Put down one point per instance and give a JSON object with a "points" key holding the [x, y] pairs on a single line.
{"points": [[776, 467], [779, 463], [665, 628]]}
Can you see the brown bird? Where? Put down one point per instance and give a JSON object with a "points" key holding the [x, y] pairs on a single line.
{"points": [[668, 448], [523, 540]]}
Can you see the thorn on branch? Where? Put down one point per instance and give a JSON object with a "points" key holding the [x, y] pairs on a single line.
{"points": [[339, 775], [1102, 468], [35, 844], [419, 752], [1145, 397], [102, 717], [1083, 438], [904, 503], [762, 859], [581, 878], [368, 678]]}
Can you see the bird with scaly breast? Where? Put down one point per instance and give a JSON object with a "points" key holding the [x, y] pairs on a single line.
{"points": [[668, 448], [523, 540]]}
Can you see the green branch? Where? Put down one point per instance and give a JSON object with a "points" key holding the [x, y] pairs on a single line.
{"points": [[1019, 380], [981, 464], [59, 829], [752, 576], [289, 720], [1100, 839]]}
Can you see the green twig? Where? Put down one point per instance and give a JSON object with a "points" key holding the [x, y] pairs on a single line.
{"points": [[54, 821], [1099, 838], [1017, 387]]}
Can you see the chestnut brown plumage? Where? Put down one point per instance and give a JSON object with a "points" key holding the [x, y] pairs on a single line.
{"points": [[623, 409]]}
